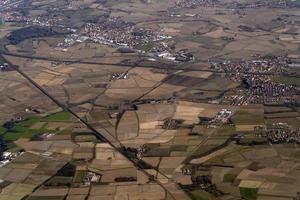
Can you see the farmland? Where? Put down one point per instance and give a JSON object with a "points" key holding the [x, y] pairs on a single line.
{"points": [[148, 99]]}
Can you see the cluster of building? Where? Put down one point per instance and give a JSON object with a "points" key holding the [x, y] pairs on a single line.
{"points": [[174, 13], [279, 135], [7, 157], [90, 177], [221, 117], [117, 76], [142, 151], [266, 3], [7, 4], [10, 124], [41, 20], [195, 3], [33, 109], [254, 76], [236, 97], [166, 53], [171, 124], [116, 32], [112, 31], [205, 183], [4, 66], [70, 40], [263, 90], [45, 136], [3, 2], [258, 66], [236, 5]]}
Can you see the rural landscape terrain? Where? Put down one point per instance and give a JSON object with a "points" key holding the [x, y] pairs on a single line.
{"points": [[149, 99]]}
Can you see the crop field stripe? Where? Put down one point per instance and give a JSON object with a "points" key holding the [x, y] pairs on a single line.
{"points": [[94, 131]]}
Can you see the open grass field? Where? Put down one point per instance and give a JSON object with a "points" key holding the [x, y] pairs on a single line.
{"points": [[26, 132], [61, 116], [248, 193], [229, 178], [23, 130], [20, 133]]}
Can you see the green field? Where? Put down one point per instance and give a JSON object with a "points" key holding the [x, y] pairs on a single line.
{"points": [[61, 116], [229, 178], [248, 193], [287, 80], [2, 130], [14, 135], [28, 122], [22, 130], [26, 129]]}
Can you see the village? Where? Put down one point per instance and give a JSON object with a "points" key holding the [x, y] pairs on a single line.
{"points": [[256, 78], [111, 31], [213, 3], [281, 134]]}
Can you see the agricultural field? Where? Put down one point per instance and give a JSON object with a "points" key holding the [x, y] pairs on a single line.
{"points": [[26, 173], [149, 99], [249, 116], [36, 127]]}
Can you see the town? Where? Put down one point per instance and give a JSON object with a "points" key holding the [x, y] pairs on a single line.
{"points": [[255, 77], [212, 3], [279, 135]]}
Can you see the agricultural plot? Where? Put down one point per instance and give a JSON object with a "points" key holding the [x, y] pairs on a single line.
{"points": [[26, 173], [25, 132], [20, 95], [256, 173], [248, 116], [162, 102]]}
